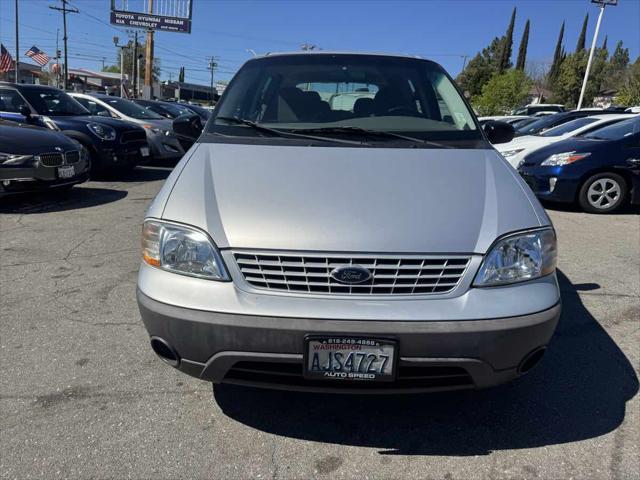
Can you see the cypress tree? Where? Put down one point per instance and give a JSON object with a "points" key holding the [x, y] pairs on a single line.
{"points": [[522, 52], [505, 59], [583, 34], [557, 56], [604, 44]]}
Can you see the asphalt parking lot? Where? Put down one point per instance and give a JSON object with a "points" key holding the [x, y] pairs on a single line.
{"points": [[83, 396]]}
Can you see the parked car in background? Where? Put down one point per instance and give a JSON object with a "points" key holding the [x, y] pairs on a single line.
{"points": [[534, 108], [203, 112], [169, 110], [522, 122], [306, 247], [112, 144], [510, 119], [35, 158], [550, 121], [599, 170], [162, 142], [519, 147]]}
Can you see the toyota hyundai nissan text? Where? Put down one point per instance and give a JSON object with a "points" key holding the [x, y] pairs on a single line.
{"points": [[342, 223]]}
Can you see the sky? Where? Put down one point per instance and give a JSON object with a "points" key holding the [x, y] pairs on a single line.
{"points": [[443, 30]]}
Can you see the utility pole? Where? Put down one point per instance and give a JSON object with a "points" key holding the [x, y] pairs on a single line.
{"points": [[212, 67], [17, 47], [134, 68], [121, 47], [64, 11], [602, 4], [57, 59], [148, 64]]}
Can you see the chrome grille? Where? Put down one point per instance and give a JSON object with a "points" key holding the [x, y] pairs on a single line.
{"points": [[391, 275], [72, 157], [51, 159]]}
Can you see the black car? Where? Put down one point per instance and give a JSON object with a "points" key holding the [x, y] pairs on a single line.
{"points": [[550, 121], [198, 110], [35, 158], [111, 143], [599, 170], [166, 109]]}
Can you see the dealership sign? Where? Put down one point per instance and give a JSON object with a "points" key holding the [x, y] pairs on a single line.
{"points": [[150, 22]]}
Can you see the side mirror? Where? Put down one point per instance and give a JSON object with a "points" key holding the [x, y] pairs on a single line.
{"points": [[188, 126], [498, 132], [25, 111]]}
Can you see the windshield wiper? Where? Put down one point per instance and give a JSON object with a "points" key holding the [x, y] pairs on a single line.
{"points": [[350, 129], [281, 133]]}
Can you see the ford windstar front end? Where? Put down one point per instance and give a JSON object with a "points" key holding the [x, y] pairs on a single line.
{"points": [[342, 223]]}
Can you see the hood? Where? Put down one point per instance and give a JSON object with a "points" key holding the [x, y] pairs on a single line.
{"points": [[28, 140], [351, 199], [79, 122], [165, 124]]}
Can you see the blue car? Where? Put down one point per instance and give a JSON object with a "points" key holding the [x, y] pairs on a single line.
{"points": [[600, 170]]}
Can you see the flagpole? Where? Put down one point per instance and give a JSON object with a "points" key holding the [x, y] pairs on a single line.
{"points": [[17, 46]]}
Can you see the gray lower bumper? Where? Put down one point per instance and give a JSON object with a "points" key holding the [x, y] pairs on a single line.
{"points": [[229, 348]]}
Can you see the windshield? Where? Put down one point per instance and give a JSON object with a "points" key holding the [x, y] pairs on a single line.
{"points": [[537, 126], [616, 131], [130, 109], [51, 101], [295, 92], [568, 127]]}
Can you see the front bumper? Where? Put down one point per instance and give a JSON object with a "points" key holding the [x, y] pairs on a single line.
{"points": [[123, 155], [551, 183], [164, 147], [38, 178], [267, 351]]}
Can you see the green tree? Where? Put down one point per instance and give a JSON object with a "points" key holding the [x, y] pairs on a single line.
{"points": [[618, 67], [522, 52], [507, 45], [504, 92], [583, 34], [567, 87], [604, 44], [480, 68], [629, 92], [181, 75], [558, 56]]}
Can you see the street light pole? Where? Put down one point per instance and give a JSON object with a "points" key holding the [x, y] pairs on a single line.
{"points": [[17, 47], [602, 4]]}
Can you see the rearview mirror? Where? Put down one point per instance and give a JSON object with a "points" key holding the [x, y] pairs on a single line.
{"points": [[103, 113], [498, 132], [188, 126]]}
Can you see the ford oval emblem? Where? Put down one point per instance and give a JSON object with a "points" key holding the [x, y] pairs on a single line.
{"points": [[350, 274]]}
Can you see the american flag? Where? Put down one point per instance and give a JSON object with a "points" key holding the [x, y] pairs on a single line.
{"points": [[38, 56], [6, 62]]}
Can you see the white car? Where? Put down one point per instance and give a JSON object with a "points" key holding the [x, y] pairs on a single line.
{"points": [[515, 150], [503, 118]]}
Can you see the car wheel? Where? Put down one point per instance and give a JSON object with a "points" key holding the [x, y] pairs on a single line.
{"points": [[603, 193]]}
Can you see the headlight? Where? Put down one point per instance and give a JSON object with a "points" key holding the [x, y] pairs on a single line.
{"points": [[519, 257], [511, 153], [181, 249], [11, 159], [103, 132], [157, 131], [565, 158]]}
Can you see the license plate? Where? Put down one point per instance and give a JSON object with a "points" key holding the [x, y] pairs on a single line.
{"points": [[349, 358], [144, 151], [66, 172]]}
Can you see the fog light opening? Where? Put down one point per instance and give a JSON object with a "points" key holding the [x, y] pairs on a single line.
{"points": [[552, 184], [531, 360], [165, 351]]}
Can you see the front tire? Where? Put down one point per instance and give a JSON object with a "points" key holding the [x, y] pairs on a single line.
{"points": [[603, 193]]}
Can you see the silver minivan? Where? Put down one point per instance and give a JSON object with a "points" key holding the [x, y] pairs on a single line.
{"points": [[379, 245]]}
